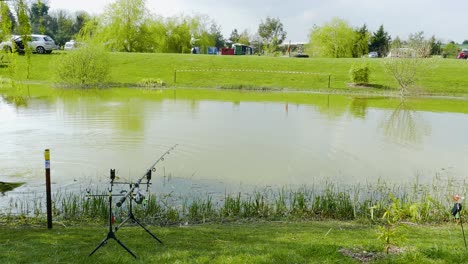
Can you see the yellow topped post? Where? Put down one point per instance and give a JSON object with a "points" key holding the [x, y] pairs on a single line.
{"points": [[48, 189]]}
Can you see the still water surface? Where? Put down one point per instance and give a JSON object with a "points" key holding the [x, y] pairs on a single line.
{"points": [[226, 144]]}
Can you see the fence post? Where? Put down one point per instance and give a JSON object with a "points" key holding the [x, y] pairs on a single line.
{"points": [[175, 76], [48, 191], [329, 80]]}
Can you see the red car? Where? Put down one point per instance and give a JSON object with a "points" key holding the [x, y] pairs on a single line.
{"points": [[463, 54]]}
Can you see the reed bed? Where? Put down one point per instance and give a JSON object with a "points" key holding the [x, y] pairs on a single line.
{"points": [[418, 203]]}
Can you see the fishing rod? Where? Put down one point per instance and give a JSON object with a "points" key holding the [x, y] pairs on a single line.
{"points": [[139, 196]]}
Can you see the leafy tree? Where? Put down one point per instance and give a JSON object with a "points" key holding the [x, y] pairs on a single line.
{"points": [[465, 42], [64, 29], [244, 37], [397, 43], [419, 44], [380, 42], [257, 43], [450, 50], [435, 46], [7, 21], [361, 42], [179, 34], [216, 35], [121, 24], [37, 13], [334, 39], [272, 32], [80, 20], [234, 38]]}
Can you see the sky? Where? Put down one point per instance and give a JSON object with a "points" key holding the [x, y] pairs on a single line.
{"points": [[444, 19]]}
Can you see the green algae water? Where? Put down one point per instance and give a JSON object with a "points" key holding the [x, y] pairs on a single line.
{"points": [[227, 139]]}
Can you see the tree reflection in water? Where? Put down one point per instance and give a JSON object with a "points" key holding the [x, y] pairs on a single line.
{"points": [[405, 125]]}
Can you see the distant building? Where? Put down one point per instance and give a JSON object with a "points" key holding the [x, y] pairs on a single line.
{"points": [[402, 53]]}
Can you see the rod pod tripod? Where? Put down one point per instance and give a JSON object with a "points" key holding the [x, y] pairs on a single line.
{"points": [[130, 215], [111, 233]]}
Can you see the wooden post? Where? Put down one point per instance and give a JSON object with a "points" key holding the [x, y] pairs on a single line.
{"points": [[48, 190]]}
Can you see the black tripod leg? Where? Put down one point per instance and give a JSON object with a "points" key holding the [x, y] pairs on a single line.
{"points": [[149, 232], [121, 224], [126, 248], [100, 245]]}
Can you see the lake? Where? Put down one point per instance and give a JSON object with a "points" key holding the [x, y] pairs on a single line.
{"points": [[228, 140]]}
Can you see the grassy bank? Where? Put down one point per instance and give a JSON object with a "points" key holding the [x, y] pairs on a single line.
{"points": [[280, 242], [415, 203], [447, 77]]}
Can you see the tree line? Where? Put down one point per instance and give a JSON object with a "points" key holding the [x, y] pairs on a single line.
{"points": [[128, 26]]}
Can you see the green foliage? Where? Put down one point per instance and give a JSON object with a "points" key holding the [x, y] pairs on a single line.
{"points": [[38, 12], [391, 231], [86, 66], [334, 39], [451, 50], [359, 73], [6, 21], [244, 37], [123, 24], [234, 38], [151, 83], [380, 42], [407, 71], [419, 44], [272, 32], [361, 42]]}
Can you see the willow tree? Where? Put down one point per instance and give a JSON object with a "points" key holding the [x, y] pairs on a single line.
{"points": [[6, 20], [122, 24], [334, 39]]}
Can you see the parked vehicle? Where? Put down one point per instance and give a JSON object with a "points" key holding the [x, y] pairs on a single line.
{"points": [[463, 54], [69, 45], [40, 44], [373, 54], [8, 46]]}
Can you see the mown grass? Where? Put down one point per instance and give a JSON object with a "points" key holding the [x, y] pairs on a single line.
{"points": [[447, 77], [258, 242]]}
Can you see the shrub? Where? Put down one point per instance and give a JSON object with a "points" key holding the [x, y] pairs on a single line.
{"points": [[86, 66], [360, 73], [151, 83]]}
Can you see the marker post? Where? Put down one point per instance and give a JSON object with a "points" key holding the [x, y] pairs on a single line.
{"points": [[48, 190]]}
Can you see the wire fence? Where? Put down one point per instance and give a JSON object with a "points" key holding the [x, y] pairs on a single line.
{"points": [[326, 75]]}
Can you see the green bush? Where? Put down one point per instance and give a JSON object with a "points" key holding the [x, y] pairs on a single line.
{"points": [[360, 74], [83, 67]]}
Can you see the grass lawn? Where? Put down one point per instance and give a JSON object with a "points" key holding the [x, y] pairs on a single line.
{"points": [[447, 77], [303, 242], [260, 242]]}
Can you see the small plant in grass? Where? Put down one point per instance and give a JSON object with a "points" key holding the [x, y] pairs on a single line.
{"points": [[359, 74], [151, 83], [391, 231]]}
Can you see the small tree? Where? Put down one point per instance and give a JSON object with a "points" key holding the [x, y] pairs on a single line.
{"points": [[359, 74], [407, 69]]}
